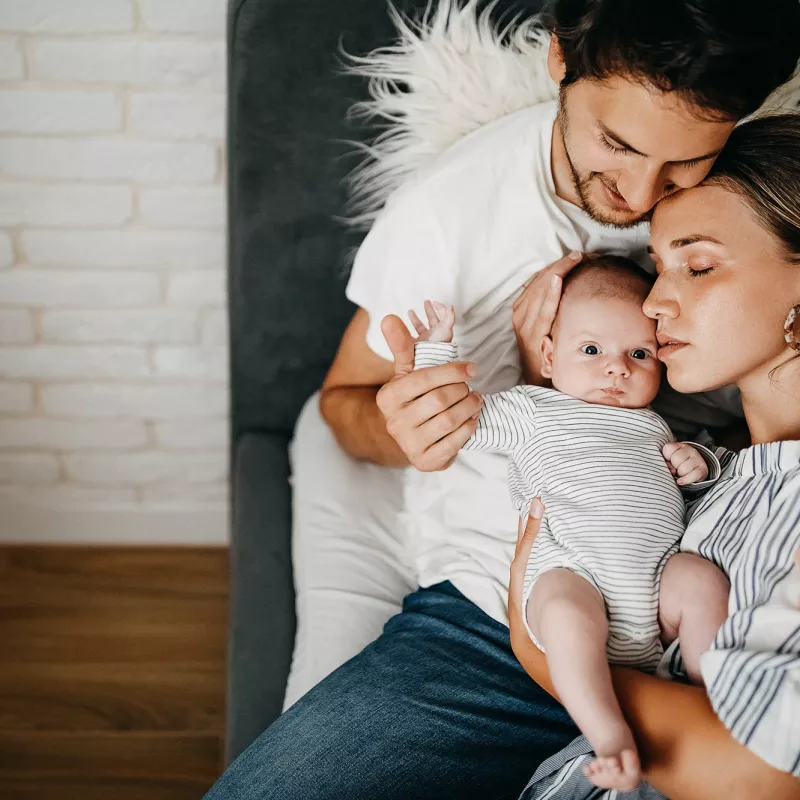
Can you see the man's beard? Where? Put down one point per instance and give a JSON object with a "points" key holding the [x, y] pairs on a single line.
{"points": [[583, 186]]}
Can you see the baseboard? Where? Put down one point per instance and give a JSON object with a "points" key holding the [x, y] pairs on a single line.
{"points": [[30, 524]]}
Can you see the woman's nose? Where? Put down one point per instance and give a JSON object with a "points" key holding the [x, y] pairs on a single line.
{"points": [[659, 303]]}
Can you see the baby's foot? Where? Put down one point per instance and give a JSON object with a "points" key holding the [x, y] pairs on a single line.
{"points": [[441, 319], [622, 772]]}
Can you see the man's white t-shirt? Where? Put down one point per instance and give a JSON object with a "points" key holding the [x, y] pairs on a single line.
{"points": [[470, 232]]}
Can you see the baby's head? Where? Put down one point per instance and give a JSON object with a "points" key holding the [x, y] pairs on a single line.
{"points": [[602, 348]]}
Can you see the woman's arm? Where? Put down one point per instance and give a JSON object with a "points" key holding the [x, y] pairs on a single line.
{"points": [[687, 753]]}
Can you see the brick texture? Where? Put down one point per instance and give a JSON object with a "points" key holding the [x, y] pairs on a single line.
{"points": [[59, 112], [113, 329], [65, 205], [74, 16]]}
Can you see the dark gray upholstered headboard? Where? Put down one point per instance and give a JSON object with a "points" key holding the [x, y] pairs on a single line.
{"points": [[288, 254], [287, 272]]}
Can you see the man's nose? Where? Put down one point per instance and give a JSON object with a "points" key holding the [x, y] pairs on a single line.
{"points": [[642, 188]]}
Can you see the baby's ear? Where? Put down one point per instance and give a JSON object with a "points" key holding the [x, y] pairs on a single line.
{"points": [[547, 357]]}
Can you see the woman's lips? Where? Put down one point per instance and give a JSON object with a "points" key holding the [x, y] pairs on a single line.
{"points": [[669, 348]]}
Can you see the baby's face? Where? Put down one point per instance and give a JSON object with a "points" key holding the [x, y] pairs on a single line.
{"points": [[603, 351]]}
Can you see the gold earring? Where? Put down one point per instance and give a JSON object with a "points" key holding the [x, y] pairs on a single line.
{"points": [[788, 328]]}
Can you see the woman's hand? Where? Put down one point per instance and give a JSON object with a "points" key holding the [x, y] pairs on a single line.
{"points": [[534, 312], [527, 653]]}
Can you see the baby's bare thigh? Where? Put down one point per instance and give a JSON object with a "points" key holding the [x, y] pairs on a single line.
{"points": [[690, 586]]}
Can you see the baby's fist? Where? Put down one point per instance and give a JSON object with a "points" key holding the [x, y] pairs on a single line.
{"points": [[441, 319], [685, 463]]}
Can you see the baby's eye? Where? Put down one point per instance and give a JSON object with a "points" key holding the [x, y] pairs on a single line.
{"points": [[641, 355], [590, 350]]}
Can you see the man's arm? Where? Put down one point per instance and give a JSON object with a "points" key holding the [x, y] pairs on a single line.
{"points": [[348, 398], [387, 413], [687, 754]]}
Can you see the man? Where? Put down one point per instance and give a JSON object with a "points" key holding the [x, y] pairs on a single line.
{"points": [[437, 706]]}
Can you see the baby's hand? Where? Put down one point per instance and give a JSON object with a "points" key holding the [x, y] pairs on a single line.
{"points": [[685, 463], [441, 319]]}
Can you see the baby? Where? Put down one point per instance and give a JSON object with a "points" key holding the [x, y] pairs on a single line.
{"points": [[607, 468]]}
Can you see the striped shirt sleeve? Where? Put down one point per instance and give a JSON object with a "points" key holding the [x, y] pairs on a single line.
{"points": [[755, 689], [752, 672], [507, 418]]}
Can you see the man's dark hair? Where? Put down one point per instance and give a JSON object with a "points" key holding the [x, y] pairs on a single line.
{"points": [[724, 56]]}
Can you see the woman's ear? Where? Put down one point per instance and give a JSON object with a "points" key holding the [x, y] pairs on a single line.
{"points": [[547, 357], [555, 61]]}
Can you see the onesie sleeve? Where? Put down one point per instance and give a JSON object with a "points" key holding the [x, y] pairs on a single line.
{"points": [[695, 490], [507, 418]]}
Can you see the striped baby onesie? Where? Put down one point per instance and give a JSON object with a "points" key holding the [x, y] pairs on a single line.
{"points": [[614, 512], [749, 526]]}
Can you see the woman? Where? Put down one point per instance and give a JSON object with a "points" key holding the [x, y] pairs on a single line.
{"points": [[727, 302]]}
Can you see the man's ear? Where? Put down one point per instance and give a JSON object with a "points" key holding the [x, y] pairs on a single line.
{"points": [[555, 61], [547, 357]]}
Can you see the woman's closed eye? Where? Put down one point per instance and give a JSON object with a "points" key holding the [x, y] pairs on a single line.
{"points": [[700, 267]]}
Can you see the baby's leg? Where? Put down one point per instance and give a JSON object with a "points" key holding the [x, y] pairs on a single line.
{"points": [[692, 604], [568, 617]]}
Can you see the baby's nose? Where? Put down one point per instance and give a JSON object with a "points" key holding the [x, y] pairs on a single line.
{"points": [[618, 366]]}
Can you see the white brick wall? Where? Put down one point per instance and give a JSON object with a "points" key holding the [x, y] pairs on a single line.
{"points": [[109, 159], [69, 205], [131, 62], [66, 16], [113, 328], [11, 64]]}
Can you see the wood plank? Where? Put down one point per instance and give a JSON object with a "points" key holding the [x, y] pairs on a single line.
{"points": [[68, 787], [113, 686], [173, 764], [101, 696], [169, 631], [113, 605], [34, 576]]}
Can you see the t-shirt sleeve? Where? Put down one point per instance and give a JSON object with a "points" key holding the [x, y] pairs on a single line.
{"points": [[401, 263]]}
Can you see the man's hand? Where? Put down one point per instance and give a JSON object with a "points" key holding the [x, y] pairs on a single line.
{"points": [[685, 463], [431, 412], [534, 312]]}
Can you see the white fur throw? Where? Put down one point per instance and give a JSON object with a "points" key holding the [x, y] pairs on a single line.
{"points": [[450, 72]]}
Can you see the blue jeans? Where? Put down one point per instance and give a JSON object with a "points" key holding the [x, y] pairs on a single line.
{"points": [[436, 708]]}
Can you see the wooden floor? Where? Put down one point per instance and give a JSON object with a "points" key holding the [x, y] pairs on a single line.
{"points": [[111, 672]]}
